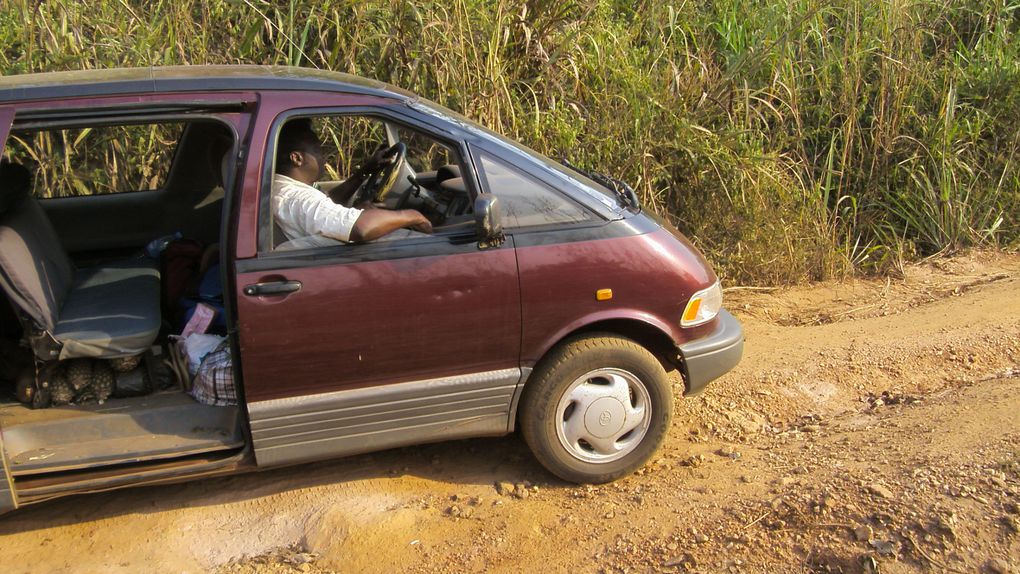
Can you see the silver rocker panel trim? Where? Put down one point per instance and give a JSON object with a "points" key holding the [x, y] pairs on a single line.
{"points": [[343, 423]]}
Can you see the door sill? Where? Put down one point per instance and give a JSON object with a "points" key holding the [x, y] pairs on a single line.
{"points": [[122, 431], [37, 488]]}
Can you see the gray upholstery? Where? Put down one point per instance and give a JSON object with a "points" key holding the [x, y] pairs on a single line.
{"points": [[34, 263], [108, 311], [454, 185]]}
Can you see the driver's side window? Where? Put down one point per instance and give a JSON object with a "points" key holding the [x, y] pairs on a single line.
{"points": [[344, 164], [347, 142]]}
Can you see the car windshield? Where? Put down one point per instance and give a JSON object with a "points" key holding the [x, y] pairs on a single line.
{"points": [[571, 178]]}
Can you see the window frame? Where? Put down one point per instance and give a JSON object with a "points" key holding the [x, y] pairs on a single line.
{"points": [[374, 250]]}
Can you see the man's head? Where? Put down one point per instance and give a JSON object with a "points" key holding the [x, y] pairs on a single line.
{"points": [[299, 152]]}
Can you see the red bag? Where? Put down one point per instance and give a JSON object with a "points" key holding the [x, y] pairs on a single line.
{"points": [[180, 270]]}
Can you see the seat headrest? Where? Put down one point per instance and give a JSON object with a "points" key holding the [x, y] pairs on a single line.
{"points": [[455, 185], [15, 185], [448, 171]]}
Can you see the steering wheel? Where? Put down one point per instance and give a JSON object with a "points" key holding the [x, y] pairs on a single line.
{"points": [[380, 181]]}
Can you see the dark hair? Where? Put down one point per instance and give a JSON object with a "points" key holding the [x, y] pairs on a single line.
{"points": [[295, 135]]}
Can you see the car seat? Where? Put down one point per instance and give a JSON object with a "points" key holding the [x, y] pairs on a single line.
{"points": [[107, 311]]}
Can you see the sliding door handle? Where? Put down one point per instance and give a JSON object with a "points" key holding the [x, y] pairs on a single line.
{"points": [[272, 288]]}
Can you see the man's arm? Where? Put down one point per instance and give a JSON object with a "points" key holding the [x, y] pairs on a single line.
{"points": [[374, 223]]}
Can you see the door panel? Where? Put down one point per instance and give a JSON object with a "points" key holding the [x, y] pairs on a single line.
{"points": [[381, 315], [137, 217], [376, 322]]}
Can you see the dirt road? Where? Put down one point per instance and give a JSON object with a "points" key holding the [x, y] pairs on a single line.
{"points": [[871, 427]]}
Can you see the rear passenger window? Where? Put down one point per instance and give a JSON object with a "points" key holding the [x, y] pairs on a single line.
{"points": [[96, 160], [526, 201]]}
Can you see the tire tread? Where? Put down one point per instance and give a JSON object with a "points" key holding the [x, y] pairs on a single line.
{"points": [[542, 387]]}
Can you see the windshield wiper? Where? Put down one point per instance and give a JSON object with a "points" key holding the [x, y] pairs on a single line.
{"points": [[624, 193]]}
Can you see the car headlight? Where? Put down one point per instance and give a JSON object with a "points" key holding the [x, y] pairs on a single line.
{"points": [[703, 306]]}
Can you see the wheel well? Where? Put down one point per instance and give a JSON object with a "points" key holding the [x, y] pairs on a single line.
{"points": [[658, 343], [649, 337]]}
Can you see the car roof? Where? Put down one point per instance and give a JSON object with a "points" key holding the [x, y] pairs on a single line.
{"points": [[154, 80]]}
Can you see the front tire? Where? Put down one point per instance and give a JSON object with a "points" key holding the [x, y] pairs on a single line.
{"points": [[596, 408]]}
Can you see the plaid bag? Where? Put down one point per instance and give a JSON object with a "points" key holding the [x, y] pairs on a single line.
{"points": [[214, 383]]}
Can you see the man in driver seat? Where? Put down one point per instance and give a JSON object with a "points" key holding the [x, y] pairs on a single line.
{"points": [[309, 217]]}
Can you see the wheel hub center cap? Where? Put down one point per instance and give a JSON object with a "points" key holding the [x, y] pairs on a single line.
{"points": [[605, 417]]}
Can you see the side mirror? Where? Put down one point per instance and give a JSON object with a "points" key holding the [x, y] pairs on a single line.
{"points": [[488, 221]]}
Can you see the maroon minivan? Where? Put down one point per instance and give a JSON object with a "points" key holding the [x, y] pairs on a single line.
{"points": [[544, 300]]}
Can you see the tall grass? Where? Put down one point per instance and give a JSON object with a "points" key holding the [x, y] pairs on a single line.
{"points": [[796, 139], [84, 161]]}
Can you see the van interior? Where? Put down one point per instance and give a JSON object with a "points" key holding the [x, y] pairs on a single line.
{"points": [[90, 215]]}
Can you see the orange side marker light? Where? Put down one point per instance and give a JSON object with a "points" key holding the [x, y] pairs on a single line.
{"points": [[692, 310]]}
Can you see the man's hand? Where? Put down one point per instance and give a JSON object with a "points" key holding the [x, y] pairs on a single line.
{"points": [[342, 193], [379, 158], [421, 223]]}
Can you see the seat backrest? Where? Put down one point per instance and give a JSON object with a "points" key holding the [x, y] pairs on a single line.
{"points": [[35, 272]]}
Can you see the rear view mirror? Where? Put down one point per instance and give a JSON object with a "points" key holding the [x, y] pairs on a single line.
{"points": [[488, 221]]}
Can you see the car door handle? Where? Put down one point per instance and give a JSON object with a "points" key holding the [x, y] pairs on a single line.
{"points": [[272, 288]]}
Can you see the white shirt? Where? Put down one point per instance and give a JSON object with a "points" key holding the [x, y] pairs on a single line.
{"points": [[307, 216]]}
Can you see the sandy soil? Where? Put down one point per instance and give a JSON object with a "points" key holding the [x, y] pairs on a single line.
{"points": [[871, 427]]}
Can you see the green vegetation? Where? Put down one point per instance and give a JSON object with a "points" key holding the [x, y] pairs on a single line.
{"points": [[792, 140], [96, 160]]}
